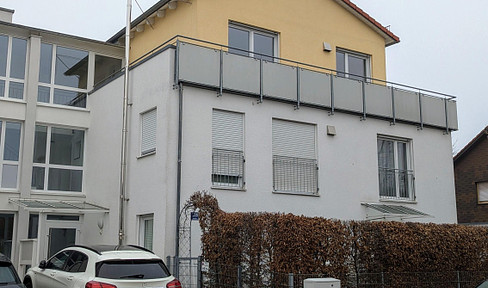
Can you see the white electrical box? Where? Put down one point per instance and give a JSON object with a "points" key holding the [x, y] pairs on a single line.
{"points": [[321, 283]]}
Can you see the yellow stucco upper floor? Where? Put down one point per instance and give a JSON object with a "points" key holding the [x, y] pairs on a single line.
{"points": [[300, 28]]}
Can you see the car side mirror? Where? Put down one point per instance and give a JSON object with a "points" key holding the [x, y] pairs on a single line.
{"points": [[43, 264]]}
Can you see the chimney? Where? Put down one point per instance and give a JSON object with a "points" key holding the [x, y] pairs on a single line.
{"points": [[6, 14]]}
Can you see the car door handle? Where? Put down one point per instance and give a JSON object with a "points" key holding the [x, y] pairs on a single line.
{"points": [[70, 278], [52, 274]]}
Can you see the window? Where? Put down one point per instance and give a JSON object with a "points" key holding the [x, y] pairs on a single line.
{"points": [[9, 154], [227, 149], [6, 234], [76, 263], [146, 225], [58, 261], [58, 159], [148, 132], [294, 158], [352, 65], [13, 53], [63, 75], [394, 169], [482, 188], [253, 42]]}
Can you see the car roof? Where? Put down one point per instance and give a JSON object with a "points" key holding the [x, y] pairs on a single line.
{"points": [[4, 258], [99, 249]]}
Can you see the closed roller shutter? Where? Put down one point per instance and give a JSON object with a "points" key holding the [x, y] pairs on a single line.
{"points": [[148, 132]]}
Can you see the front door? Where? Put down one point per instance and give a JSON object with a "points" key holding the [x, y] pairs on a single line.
{"points": [[62, 231]]}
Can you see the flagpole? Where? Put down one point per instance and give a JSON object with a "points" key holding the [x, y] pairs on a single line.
{"points": [[123, 152]]}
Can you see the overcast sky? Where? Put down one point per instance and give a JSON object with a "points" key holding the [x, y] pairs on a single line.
{"points": [[443, 43]]}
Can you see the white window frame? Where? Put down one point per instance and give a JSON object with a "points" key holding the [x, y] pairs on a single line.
{"points": [[53, 86], [7, 77], [2, 151], [296, 161], [48, 165], [252, 30], [410, 169], [347, 54], [230, 154], [151, 129], [142, 231], [482, 192]]}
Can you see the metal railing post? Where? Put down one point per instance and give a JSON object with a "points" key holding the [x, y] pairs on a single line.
{"points": [[260, 80], [168, 262], [420, 110], [393, 105], [221, 71], [298, 88], [176, 267], [447, 116], [177, 64], [458, 279], [290, 280], [363, 88], [199, 272], [331, 94], [239, 276]]}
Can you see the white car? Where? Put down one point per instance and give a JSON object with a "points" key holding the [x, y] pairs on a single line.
{"points": [[102, 266]]}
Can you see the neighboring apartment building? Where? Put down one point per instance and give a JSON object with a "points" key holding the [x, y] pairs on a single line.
{"points": [[262, 133], [45, 117], [471, 177]]}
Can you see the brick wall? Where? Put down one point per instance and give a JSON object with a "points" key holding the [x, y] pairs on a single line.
{"points": [[470, 168]]}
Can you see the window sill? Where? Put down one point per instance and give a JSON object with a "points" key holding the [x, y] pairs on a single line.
{"points": [[146, 155], [59, 193], [242, 189], [7, 190], [14, 100], [399, 200], [297, 193], [58, 106]]}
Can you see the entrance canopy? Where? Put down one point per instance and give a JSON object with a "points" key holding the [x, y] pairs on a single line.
{"points": [[380, 211], [59, 206]]}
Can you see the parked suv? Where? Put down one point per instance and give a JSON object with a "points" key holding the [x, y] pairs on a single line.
{"points": [[102, 266], [8, 276]]}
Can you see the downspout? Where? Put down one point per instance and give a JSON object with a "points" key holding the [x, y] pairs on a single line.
{"points": [[178, 176], [123, 152]]}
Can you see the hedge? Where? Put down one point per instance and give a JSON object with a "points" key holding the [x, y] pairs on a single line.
{"points": [[270, 244]]}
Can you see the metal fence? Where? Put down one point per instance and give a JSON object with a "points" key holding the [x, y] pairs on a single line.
{"points": [[194, 273], [227, 168], [292, 174]]}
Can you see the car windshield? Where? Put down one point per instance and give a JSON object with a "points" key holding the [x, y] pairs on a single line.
{"points": [[7, 274], [132, 269]]}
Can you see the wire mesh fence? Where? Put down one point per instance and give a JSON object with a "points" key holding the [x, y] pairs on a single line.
{"points": [[193, 273]]}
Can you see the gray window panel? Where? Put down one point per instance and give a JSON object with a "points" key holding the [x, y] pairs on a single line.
{"points": [[12, 141], [264, 44], [40, 144], [33, 226], [19, 52], [66, 147], [386, 158], [357, 67], [9, 176], [65, 180], [43, 94], [16, 90], [69, 98], [37, 182], [3, 55], [340, 63], [45, 63], [105, 67], [238, 39], [2, 88], [71, 67], [6, 236]]}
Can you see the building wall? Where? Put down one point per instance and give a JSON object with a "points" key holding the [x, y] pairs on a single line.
{"points": [[471, 168], [302, 29], [348, 165]]}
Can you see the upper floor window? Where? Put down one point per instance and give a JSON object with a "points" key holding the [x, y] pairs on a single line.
{"points": [[13, 53], [352, 65], [395, 172], [63, 75], [294, 157], [148, 132], [58, 159], [253, 42], [227, 149], [10, 133]]}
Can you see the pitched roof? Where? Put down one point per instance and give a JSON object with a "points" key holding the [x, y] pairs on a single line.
{"points": [[471, 143], [390, 38]]}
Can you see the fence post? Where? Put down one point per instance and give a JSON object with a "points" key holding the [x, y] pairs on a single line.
{"points": [[458, 279], [239, 276], [176, 268], [290, 280], [382, 279], [199, 272]]}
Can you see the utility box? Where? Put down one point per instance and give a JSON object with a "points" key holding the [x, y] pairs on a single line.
{"points": [[321, 283]]}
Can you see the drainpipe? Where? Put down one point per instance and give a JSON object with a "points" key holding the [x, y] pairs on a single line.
{"points": [[123, 152], [178, 176]]}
